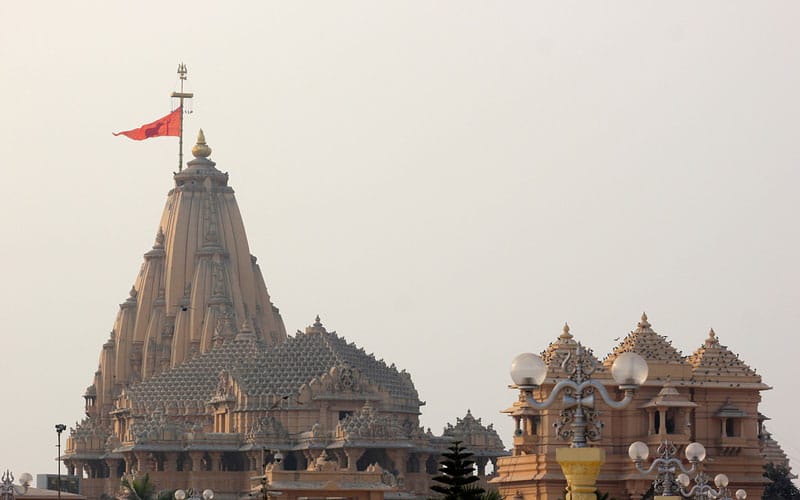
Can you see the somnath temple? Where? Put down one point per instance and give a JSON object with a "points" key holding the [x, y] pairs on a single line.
{"points": [[199, 385]]}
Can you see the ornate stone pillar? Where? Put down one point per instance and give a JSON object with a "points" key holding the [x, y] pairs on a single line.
{"points": [[399, 457], [581, 467], [311, 455], [129, 462], [141, 461], [341, 458], [197, 460], [78, 466], [216, 460], [662, 422], [112, 464], [353, 454]]}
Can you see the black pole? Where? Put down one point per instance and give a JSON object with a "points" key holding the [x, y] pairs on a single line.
{"points": [[59, 429]]}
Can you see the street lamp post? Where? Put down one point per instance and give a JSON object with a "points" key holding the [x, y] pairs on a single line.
{"points": [[192, 495], [702, 490], [59, 429], [578, 418], [666, 463]]}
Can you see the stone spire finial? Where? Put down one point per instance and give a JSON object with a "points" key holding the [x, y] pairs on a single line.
{"points": [[565, 332], [316, 327], [201, 149], [712, 338], [644, 323]]}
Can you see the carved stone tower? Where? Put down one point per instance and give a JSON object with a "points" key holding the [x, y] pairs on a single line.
{"points": [[198, 286]]}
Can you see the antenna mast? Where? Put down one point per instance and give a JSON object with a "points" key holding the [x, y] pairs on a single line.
{"points": [[182, 71]]}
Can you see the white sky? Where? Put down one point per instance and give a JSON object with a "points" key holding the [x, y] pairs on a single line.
{"points": [[445, 183]]}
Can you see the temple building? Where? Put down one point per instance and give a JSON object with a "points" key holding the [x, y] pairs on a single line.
{"points": [[200, 386], [710, 397]]}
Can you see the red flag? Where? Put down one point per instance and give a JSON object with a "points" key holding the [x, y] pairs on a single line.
{"points": [[168, 125]]}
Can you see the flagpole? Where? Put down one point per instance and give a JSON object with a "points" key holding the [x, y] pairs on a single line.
{"points": [[181, 95]]}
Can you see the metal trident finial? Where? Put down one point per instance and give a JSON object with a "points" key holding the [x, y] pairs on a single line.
{"points": [[182, 71]]}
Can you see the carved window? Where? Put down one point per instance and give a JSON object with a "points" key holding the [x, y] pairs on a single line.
{"points": [[221, 421], [732, 427], [670, 419]]}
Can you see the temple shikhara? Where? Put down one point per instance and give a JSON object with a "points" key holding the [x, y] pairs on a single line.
{"points": [[200, 386]]}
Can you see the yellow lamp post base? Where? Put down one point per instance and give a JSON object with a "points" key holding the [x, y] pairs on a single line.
{"points": [[581, 467]]}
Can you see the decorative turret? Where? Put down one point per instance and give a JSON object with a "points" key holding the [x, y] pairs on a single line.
{"points": [[715, 362], [565, 345], [661, 357]]}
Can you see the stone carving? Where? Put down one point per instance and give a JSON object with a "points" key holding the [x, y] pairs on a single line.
{"points": [[267, 429], [223, 384], [324, 464], [474, 434], [156, 427], [346, 381], [369, 425]]}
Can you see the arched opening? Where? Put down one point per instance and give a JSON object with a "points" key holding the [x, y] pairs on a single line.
{"points": [[375, 455], [431, 465], [412, 464]]}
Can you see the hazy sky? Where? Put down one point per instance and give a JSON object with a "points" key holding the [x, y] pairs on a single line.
{"points": [[445, 183]]}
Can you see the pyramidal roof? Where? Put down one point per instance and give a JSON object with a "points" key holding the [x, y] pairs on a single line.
{"points": [[272, 377], [645, 342], [771, 450], [713, 361], [199, 286], [565, 346]]}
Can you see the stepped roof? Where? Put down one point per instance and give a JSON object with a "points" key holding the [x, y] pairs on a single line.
{"points": [[771, 450], [669, 397], [713, 361], [645, 342], [566, 346], [279, 371], [310, 354]]}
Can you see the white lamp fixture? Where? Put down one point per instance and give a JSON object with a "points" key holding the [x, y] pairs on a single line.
{"points": [[667, 464], [529, 371]]}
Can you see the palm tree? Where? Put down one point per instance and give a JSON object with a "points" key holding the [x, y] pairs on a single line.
{"points": [[139, 488]]}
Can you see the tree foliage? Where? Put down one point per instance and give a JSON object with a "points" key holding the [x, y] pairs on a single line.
{"points": [[781, 487], [457, 475], [139, 488]]}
